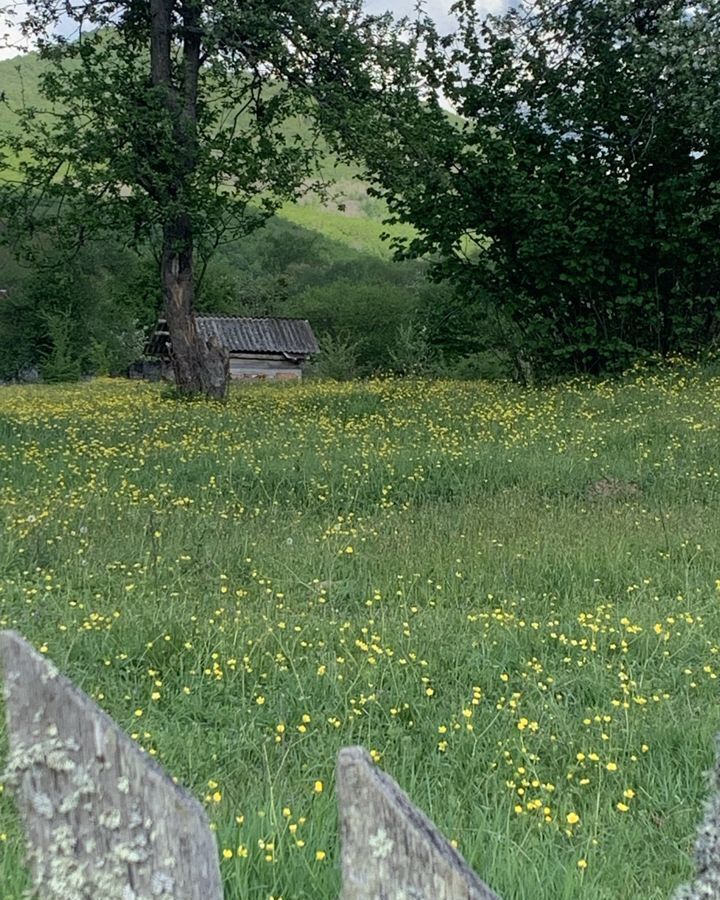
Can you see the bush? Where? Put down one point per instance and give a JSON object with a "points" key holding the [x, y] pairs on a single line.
{"points": [[82, 316], [412, 353], [366, 315], [487, 364], [116, 352], [338, 359], [62, 362]]}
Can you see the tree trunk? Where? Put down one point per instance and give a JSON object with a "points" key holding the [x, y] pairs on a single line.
{"points": [[199, 368]]}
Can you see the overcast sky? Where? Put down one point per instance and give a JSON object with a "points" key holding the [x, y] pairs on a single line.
{"points": [[437, 9]]}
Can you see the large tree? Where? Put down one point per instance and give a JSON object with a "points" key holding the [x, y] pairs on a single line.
{"points": [[186, 123], [576, 195]]}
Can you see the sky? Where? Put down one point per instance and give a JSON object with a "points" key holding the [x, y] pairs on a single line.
{"points": [[439, 10], [8, 34]]}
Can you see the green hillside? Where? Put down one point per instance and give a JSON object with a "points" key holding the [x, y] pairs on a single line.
{"points": [[322, 258], [19, 83], [358, 231], [350, 218]]}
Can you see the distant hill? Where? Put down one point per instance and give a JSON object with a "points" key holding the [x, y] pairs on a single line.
{"points": [[350, 218]]}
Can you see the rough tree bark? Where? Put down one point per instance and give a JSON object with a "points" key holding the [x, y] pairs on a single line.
{"points": [[196, 366]]}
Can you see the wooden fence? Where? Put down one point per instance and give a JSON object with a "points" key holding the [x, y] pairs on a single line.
{"points": [[104, 822]]}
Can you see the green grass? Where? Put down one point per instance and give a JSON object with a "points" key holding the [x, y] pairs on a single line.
{"points": [[424, 568], [359, 231]]}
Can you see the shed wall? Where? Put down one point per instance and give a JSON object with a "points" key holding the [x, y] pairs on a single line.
{"points": [[265, 366]]}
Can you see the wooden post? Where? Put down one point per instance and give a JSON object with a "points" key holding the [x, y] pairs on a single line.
{"points": [[390, 850], [707, 844], [103, 821]]}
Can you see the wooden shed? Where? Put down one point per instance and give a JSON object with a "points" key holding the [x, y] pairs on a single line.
{"points": [[266, 348]]}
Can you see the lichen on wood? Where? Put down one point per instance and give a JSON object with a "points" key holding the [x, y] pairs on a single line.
{"points": [[391, 850], [706, 883], [102, 819]]}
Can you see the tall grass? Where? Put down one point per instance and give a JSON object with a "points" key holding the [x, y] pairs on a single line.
{"points": [[510, 597]]}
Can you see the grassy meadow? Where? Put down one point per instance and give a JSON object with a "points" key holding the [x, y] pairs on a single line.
{"points": [[509, 596]]}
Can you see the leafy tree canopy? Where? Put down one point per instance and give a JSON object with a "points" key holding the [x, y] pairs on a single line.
{"points": [[178, 122], [577, 200]]}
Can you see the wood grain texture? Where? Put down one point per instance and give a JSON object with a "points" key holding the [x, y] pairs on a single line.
{"points": [[390, 850], [103, 821]]}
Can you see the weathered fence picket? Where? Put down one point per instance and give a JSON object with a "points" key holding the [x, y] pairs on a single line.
{"points": [[104, 822], [389, 848], [102, 819]]}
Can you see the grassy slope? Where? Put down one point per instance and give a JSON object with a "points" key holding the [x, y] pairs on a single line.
{"points": [[358, 231], [360, 228], [423, 568], [19, 82]]}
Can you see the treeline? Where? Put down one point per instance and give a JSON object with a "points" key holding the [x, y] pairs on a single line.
{"points": [[566, 213], [91, 314]]}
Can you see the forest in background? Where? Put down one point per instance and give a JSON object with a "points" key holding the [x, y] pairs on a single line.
{"points": [[563, 220], [323, 259]]}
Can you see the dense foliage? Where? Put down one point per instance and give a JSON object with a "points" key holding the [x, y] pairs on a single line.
{"points": [[576, 203], [107, 299], [165, 122]]}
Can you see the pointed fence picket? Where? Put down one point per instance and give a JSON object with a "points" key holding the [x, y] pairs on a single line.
{"points": [[103, 820]]}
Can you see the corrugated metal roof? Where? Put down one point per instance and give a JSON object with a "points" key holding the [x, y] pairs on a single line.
{"points": [[240, 334], [268, 335]]}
